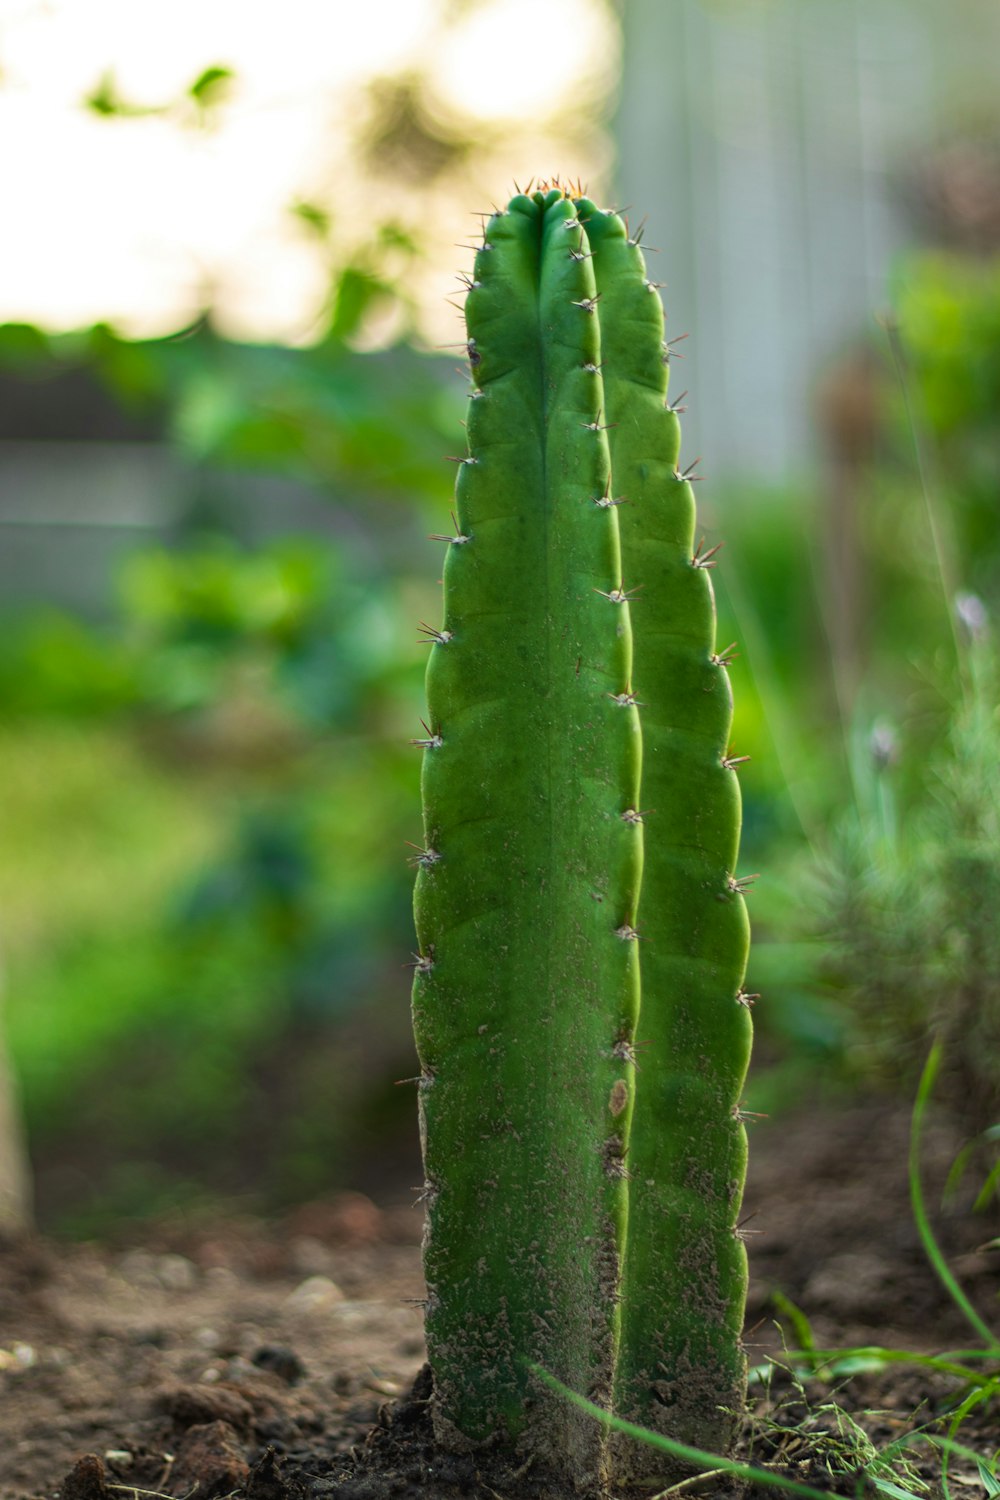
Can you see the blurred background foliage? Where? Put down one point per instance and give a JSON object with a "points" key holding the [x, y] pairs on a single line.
{"points": [[209, 681]]}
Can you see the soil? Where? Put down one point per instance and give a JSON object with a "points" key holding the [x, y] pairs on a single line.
{"points": [[285, 1361]]}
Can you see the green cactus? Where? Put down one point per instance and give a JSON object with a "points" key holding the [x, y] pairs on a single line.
{"points": [[581, 1211]]}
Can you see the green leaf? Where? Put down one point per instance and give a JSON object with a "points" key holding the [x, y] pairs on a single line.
{"points": [[211, 85], [311, 214], [990, 1482], [105, 99], [800, 1323], [889, 1488]]}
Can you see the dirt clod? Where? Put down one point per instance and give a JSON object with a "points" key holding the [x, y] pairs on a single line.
{"points": [[86, 1480], [190, 1405], [210, 1462]]}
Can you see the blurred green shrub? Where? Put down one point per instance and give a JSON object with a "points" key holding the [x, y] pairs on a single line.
{"points": [[242, 719], [197, 626], [904, 898], [875, 924]]}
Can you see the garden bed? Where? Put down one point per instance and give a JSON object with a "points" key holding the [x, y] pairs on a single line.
{"points": [[278, 1361]]}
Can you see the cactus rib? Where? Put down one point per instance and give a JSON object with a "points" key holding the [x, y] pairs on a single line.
{"points": [[527, 772], [681, 1368]]}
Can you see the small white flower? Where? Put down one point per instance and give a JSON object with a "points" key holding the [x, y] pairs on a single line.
{"points": [[972, 613]]}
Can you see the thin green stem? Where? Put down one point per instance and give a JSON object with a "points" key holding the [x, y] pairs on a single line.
{"points": [[696, 1457], [930, 1244]]}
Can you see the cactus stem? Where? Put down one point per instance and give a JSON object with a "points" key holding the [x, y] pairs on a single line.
{"points": [[440, 637]]}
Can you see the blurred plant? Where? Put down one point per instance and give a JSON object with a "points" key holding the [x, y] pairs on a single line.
{"points": [[899, 938], [226, 983], [963, 848], [195, 106], [357, 426], [291, 627], [906, 897]]}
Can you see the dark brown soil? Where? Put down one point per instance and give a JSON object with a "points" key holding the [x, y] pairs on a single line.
{"points": [[277, 1362]]}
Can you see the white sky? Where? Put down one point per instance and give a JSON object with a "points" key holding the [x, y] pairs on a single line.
{"points": [[129, 220]]}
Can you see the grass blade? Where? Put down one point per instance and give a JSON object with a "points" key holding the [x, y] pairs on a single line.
{"points": [[696, 1457], [930, 1244], [990, 1482]]}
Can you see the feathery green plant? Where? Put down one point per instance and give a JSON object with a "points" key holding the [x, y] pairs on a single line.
{"points": [[582, 1206]]}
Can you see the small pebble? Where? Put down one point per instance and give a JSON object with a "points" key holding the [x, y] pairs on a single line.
{"points": [[314, 1294], [281, 1361], [308, 1256], [176, 1273]]}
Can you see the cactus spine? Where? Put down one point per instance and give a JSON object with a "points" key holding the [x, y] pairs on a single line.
{"points": [[559, 1234]]}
